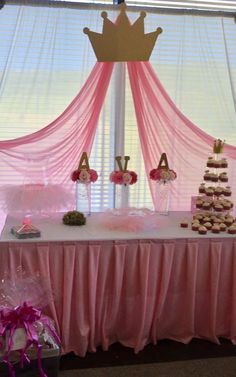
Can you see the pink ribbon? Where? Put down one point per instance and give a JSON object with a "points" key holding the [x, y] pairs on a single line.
{"points": [[24, 316]]}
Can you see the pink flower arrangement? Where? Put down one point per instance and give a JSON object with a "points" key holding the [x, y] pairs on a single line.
{"points": [[127, 177], [84, 175], [162, 175]]}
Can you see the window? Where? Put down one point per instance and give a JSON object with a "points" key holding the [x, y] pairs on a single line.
{"points": [[46, 58]]}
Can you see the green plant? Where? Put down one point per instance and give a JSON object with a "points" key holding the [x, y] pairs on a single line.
{"points": [[74, 218]]}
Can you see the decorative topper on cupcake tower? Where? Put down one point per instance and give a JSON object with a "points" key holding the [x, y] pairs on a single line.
{"points": [[218, 146]]}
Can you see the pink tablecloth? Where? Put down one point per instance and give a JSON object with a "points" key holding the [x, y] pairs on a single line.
{"points": [[134, 291]]}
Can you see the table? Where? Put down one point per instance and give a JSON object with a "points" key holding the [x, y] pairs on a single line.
{"points": [[134, 288]]}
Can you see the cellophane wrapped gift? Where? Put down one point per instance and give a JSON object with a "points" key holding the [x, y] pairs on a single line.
{"points": [[29, 344]]}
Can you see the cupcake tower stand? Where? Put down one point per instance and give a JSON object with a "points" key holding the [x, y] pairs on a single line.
{"points": [[213, 205]]}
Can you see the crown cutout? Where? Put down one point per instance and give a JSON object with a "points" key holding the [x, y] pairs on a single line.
{"points": [[121, 41]]}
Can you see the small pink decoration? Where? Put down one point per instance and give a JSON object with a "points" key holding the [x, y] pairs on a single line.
{"points": [[26, 221], [129, 220], [127, 177], [84, 175]]}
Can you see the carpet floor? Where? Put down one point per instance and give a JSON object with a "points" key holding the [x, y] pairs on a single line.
{"points": [[163, 352], [215, 367], [199, 358]]}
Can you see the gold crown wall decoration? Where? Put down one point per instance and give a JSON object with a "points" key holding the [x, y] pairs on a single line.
{"points": [[122, 41]]}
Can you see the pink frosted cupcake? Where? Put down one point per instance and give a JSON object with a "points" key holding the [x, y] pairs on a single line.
{"points": [[195, 225], [215, 228], [202, 230]]}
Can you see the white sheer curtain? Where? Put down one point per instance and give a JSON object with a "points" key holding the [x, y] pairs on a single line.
{"points": [[45, 58]]}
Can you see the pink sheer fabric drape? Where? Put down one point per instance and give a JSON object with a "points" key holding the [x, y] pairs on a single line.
{"points": [[163, 128], [49, 155]]}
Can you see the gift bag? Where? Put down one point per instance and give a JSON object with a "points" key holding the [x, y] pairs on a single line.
{"points": [[29, 344]]}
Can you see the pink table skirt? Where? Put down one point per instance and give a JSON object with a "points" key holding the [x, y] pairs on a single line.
{"points": [[136, 291]]}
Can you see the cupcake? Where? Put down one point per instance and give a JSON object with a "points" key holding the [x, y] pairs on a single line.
{"points": [[210, 162], [184, 224], [227, 191], [217, 220], [208, 225], [217, 164], [206, 205], [195, 225], [209, 192], [232, 230], [213, 217], [223, 227], [229, 217], [206, 219], [226, 205], [198, 203], [201, 189], [223, 177], [198, 216], [218, 191], [229, 221], [218, 207], [202, 229], [207, 175], [214, 177], [221, 217], [215, 228], [224, 163]]}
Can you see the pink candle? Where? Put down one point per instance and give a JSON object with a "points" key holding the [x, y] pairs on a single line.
{"points": [[26, 221]]}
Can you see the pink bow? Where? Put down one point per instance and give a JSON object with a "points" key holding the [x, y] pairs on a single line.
{"points": [[23, 316]]}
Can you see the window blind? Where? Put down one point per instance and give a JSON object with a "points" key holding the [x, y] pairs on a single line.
{"points": [[45, 59]]}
